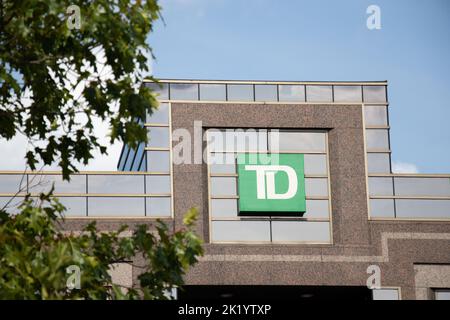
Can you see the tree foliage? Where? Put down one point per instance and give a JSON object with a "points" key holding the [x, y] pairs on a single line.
{"points": [[35, 254], [51, 85]]}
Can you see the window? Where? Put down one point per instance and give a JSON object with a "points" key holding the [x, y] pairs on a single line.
{"points": [[295, 93], [266, 92], [378, 163], [375, 115], [385, 294], [213, 92], [240, 92], [161, 89], [226, 225], [374, 93], [183, 91], [319, 93], [377, 139], [347, 94]]}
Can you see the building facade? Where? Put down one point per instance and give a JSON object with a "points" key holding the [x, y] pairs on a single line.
{"points": [[332, 219]]}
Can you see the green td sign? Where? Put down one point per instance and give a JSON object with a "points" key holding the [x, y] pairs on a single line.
{"points": [[271, 183]]}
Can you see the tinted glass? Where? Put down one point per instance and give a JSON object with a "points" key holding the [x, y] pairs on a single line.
{"points": [[308, 231], [375, 115], [12, 183], [213, 92], [347, 94], [116, 184], [418, 208], [382, 208], [43, 183], [378, 163], [297, 141], [319, 94], [265, 92], [385, 294], [377, 139], [315, 164], [317, 209], [292, 93], [223, 231], [224, 208], [381, 186], [158, 137], [138, 158], [157, 184], [237, 140], [159, 207], [223, 186], [316, 187], [439, 187], [160, 115], [183, 91], [222, 163], [240, 92], [161, 89], [158, 161], [115, 207], [75, 206], [374, 93]]}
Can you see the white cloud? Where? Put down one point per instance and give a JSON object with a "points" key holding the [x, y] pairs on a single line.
{"points": [[404, 167]]}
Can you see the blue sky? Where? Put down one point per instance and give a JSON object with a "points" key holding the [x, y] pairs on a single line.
{"points": [[324, 40]]}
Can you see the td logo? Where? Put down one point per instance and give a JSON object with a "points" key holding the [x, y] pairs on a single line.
{"points": [[277, 187]]}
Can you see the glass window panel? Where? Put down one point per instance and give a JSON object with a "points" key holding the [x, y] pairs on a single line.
{"points": [[297, 141], [316, 187], [213, 92], [382, 208], [377, 139], [116, 207], [223, 231], [439, 187], [160, 115], [418, 208], [157, 184], [240, 92], [116, 184], [315, 164], [224, 208], [319, 93], [12, 183], [123, 158], [375, 115], [246, 140], [385, 294], [129, 160], [374, 93], [308, 231], [162, 89], [10, 204], [291, 93], [381, 187], [266, 92], [158, 137], [158, 161], [43, 183], [237, 140], [317, 209], [138, 157], [75, 206], [184, 91], [378, 163], [223, 186], [159, 207], [347, 94], [222, 163], [442, 295]]}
